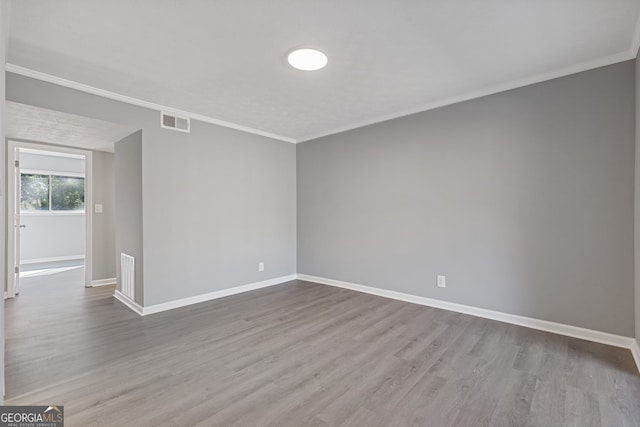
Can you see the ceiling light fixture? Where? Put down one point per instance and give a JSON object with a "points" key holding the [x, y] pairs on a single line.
{"points": [[307, 59]]}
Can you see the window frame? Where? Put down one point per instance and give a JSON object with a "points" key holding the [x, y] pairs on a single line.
{"points": [[50, 173]]}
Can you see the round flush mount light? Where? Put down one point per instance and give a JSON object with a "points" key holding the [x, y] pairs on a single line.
{"points": [[307, 59]]}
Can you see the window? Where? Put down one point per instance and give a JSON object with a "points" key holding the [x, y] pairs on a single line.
{"points": [[34, 192], [48, 192]]}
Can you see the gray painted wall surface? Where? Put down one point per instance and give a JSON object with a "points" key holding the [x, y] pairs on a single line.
{"points": [[5, 7], [128, 208], [637, 203], [216, 201], [104, 234], [523, 199], [216, 204]]}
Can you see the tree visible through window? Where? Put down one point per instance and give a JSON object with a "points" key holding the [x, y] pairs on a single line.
{"points": [[67, 193], [34, 192], [39, 192]]}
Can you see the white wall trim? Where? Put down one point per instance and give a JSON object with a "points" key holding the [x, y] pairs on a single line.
{"points": [[157, 308], [52, 154], [635, 351], [128, 302], [27, 72], [51, 172], [51, 259], [626, 55], [543, 325], [489, 90], [103, 282], [50, 213]]}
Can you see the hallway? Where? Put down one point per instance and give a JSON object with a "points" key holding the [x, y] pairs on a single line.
{"points": [[43, 346]]}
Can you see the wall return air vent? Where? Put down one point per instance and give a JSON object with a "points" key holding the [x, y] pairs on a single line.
{"points": [[171, 121]]}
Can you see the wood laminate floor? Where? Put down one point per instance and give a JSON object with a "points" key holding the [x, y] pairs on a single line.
{"points": [[302, 354]]}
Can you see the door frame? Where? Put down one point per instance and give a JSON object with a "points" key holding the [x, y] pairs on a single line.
{"points": [[12, 148]]}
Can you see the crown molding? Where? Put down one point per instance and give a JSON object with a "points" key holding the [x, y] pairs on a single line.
{"points": [[490, 90], [27, 72], [629, 54]]}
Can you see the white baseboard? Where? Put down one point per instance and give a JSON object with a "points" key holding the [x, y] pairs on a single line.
{"points": [[51, 259], [157, 308], [128, 302], [103, 282], [635, 351], [543, 325]]}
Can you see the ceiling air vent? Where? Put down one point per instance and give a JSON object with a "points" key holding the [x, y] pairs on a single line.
{"points": [[171, 121]]}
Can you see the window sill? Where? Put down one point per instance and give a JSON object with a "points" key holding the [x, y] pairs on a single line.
{"points": [[51, 213]]}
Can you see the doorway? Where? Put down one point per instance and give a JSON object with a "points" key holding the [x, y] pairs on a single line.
{"points": [[48, 197]]}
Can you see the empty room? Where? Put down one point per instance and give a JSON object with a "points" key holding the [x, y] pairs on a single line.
{"points": [[320, 213]]}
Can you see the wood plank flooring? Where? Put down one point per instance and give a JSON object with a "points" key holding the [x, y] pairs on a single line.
{"points": [[302, 354]]}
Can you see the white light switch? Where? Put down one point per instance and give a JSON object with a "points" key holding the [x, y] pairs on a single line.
{"points": [[98, 208]]}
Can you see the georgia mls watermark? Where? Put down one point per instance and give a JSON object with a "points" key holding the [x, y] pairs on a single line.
{"points": [[32, 416]]}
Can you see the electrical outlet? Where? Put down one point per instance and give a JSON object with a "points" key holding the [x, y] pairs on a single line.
{"points": [[441, 281], [261, 266]]}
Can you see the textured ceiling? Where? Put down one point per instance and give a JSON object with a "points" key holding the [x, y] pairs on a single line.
{"points": [[26, 122], [226, 59]]}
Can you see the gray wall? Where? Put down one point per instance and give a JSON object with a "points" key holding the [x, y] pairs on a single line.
{"points": [[523, 199], [128, 207], [104, 234], [637, 203], [216, 201], [215, 206], [5, 6]]}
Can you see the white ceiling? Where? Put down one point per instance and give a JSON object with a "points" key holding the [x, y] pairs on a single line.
{"points": [[225, 60], [26, 122]]}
